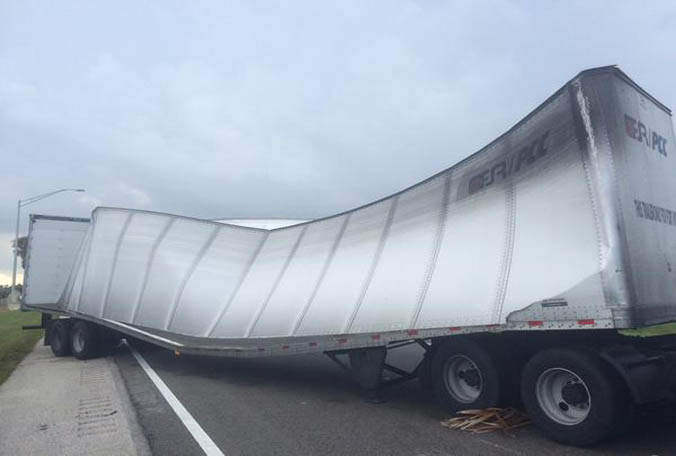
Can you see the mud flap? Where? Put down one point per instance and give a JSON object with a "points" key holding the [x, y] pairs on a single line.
{"points": [[650, 375]]}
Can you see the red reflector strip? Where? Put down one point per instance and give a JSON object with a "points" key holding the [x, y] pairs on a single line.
{"points": [[342, 341], [455, 328], [532, 323], [586, 322], [413, 332], [376, 337], [313, 344], [285, 347]]}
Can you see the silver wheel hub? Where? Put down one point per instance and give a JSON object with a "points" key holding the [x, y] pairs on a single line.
{"points": [[563, 396], [463, 379]]}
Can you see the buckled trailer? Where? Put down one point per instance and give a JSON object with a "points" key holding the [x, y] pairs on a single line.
{"points": [[515, 269]]}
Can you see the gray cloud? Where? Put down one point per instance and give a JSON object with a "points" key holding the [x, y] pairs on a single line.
{"points": [[298, 109]]}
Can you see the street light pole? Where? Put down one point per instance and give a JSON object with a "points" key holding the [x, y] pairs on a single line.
{"points": [[19, 205], [16, 244]]}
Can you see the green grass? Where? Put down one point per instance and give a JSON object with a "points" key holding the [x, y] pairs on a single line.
{"points": [[649, 331], [16, 343]]}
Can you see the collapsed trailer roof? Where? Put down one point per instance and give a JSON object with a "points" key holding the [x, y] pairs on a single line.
{"points": [[532, 232]]}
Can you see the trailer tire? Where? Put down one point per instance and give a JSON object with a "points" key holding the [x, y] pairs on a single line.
{"points": [[59, 337], [85, 340], [574, 397], [466, 376]]}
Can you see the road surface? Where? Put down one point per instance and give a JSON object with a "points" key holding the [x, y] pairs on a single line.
{"points": [[306, 405]]}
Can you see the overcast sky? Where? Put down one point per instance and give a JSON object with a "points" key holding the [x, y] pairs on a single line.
{"points": [[293, 109]]}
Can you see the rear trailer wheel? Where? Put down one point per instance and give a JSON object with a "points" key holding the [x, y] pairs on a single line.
{"points": [[59, 337], [466, 376], [85, 340], [573, 396]]}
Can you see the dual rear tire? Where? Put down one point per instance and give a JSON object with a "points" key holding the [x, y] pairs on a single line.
{"points": [[466, 375], [85, 340], [572, 395], [82, 339], [59, 337]]}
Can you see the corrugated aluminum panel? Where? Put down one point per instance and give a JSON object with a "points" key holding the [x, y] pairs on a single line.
{"points": [[523, 235]]}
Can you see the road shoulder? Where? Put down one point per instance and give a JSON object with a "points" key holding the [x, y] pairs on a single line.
{"points": [[69, 407]]}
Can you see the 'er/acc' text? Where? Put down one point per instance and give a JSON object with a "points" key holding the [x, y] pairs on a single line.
{"points": [[512, 164], [637, 130]]}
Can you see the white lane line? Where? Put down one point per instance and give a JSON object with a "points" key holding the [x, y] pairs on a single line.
{"points": [[203, 440]]}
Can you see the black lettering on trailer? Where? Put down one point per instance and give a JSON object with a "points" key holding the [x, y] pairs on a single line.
{"points": [[511, 164], [655, 213], [637, 130]]}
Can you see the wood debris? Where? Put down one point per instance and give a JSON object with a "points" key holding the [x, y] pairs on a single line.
{"points": [[487, 420]]}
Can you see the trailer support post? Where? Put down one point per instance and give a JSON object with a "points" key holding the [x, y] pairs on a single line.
{"points": [[367, 369]]}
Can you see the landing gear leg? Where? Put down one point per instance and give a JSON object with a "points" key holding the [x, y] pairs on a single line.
{"points": [[367, 369]]}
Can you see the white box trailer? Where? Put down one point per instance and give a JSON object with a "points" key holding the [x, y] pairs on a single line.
{"points": [[514, 269]]}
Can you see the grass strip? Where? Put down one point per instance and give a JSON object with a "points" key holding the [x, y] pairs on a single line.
{"points": [[650, 331], [16, 343]]}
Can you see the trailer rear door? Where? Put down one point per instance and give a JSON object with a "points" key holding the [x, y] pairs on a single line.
{"points": [[53, 246]]}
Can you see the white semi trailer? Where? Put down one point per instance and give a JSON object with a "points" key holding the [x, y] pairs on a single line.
{"points": [[514, 269]]}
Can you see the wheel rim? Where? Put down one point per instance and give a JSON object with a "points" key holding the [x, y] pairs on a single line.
{"points": [[78, 341], [563, 396], [463, 379]]}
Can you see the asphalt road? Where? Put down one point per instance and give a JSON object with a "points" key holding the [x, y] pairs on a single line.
{"points": [[306, 405]]}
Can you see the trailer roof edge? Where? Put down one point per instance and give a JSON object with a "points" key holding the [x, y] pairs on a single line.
{"points": [[615, 70], [58, 217]]}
